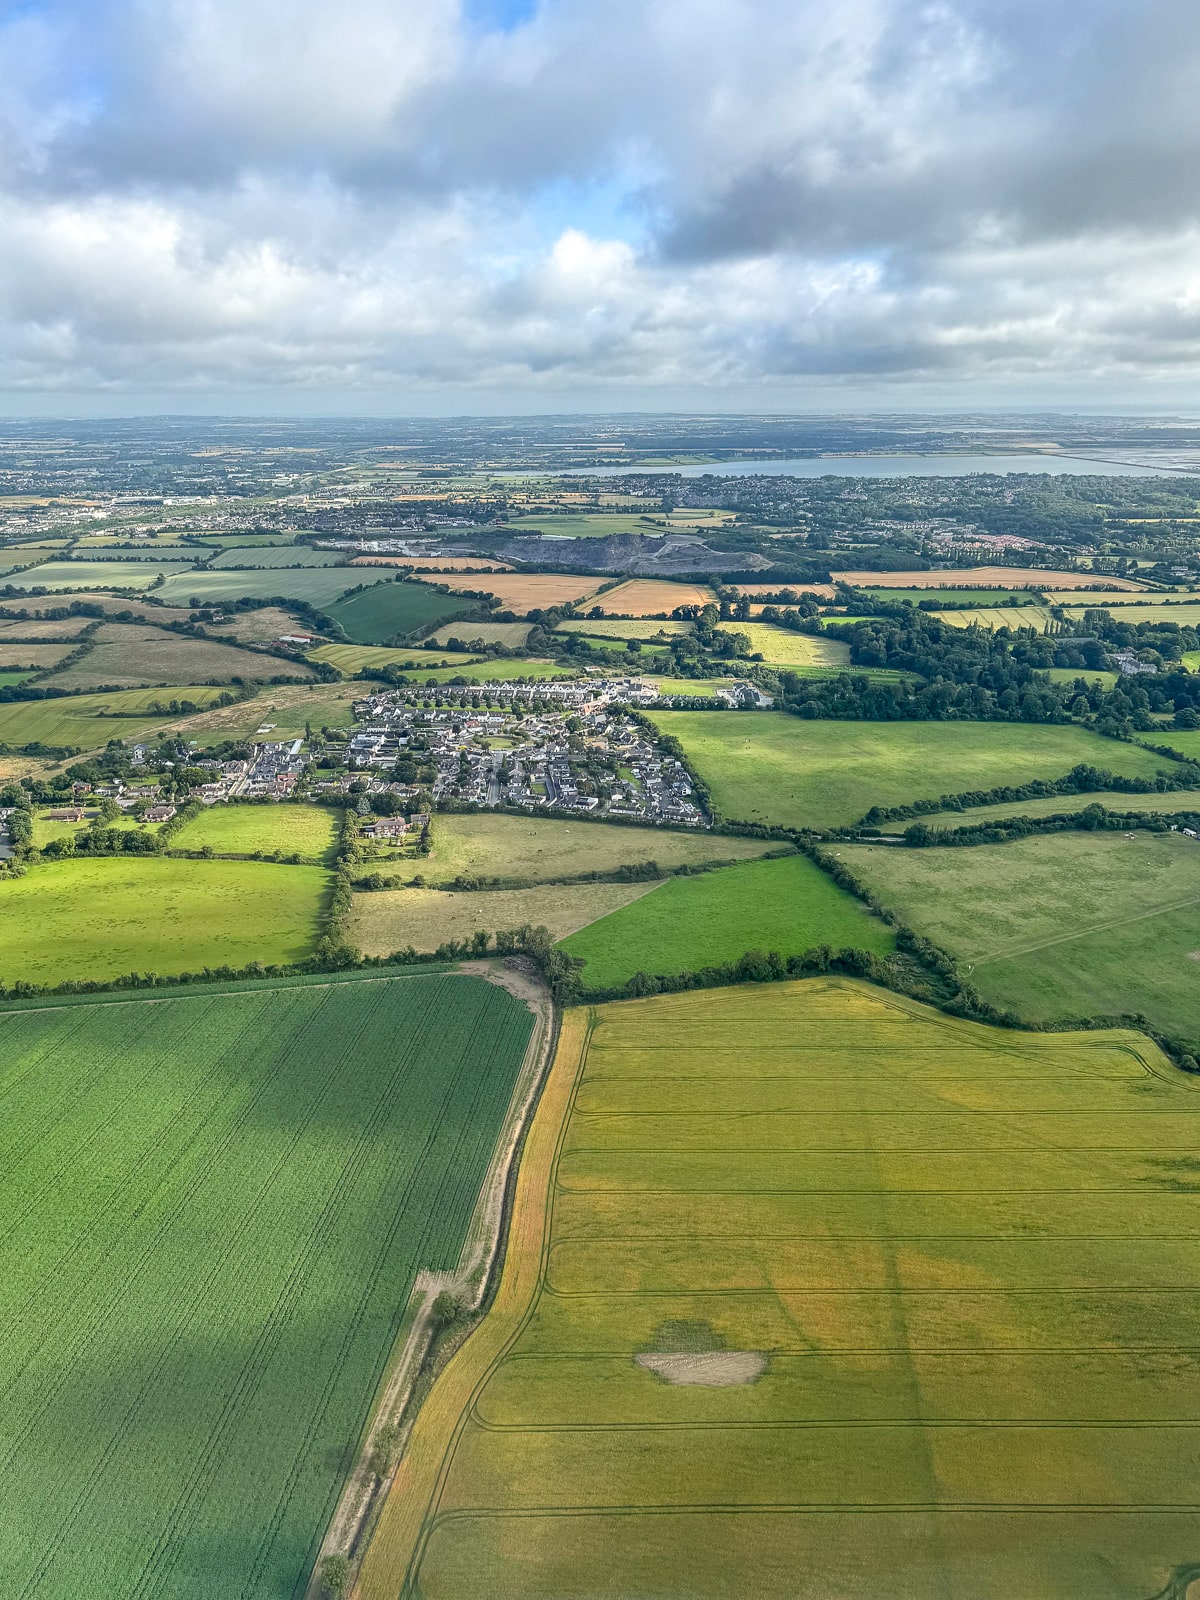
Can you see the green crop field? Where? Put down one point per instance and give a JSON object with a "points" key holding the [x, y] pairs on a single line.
{"points": [[769, 767], [784, 648], [352, 658], [1186, 741], [297, 555], [1184, 616], [1062, 926], [85, 720], [318, 586], [62, 575], [9, 678], [389, 611], [1036, 617], [102, 918], [788, 906], [307, 830], [625, 627], [812, 1292], [510, 634], [496, 846], [1180, 800], [954, 597], [124, 655], [495, 671], [216, 1206], [385, 921]]}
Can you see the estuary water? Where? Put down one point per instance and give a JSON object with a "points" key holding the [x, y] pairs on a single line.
{"points": [[939, 466]]}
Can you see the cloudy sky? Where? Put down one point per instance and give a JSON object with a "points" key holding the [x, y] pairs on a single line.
{"points": [[538, 205]]}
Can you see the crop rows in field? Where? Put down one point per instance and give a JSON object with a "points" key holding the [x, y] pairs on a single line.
{"points": [[85, 720], [947, 1274], [214, 1212]]}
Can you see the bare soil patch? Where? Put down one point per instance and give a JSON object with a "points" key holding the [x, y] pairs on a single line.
{"points": [[710, 1369]]}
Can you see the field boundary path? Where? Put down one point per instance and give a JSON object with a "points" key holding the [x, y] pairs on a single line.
{"points": [[482, 1257]]}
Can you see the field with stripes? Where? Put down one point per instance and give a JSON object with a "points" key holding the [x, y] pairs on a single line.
{"points": [[813, 1293], [215, 1204]]}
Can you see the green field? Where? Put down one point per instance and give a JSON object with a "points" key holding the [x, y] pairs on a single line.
{"points": [[1184, 615], [510, 634], [297, 555], [103, 918], [1054, 805], [319, 586], [1070, 674], [81, 721], [46, 828], [769, 767], [93, 575], [217, 1204], [306, 830], [10, 678], [286, 708], [1036, 617], [149, 553], [386, 921], [954, 597], [496, 671], [1076, 924], [625, 627], [124, 655], [390, 611], [788, 906], [352, 658], [1186, 741], [496, 846], [782, 647], [934, 1286]]}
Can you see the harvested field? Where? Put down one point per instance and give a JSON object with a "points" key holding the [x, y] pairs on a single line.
{"points": [[625, 627], [391, 612], [41, 657], [646, 597], [957, 597], [1183, 616], [967, 1256], [510, 634], [983, 578], [116, 605], [1036, 617], [1075, 925], [527, 591], [126, 655], [215, 1214], [487, 845], [104, 917], [766, 766], [390, 920], [787, 906]]}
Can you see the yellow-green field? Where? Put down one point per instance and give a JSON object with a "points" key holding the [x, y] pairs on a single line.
{"points": [[815, 1294], [352, 658], [304, 830], [1036, 617], [83, 721], [783, 648], [385, 921]]}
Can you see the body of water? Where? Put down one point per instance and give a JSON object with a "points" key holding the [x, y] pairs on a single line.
{"points": [[887, 467]]}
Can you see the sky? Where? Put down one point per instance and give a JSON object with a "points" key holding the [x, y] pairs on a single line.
{"points": [[472, 206]]}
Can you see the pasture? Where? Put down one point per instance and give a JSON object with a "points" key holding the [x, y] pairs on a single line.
{"points": [[1071, 674], [124, 655], [1179, 800], [65, 575], [10, 677], [766, 766], [318, 586], [510, 634], [646, 597], [217, 1204], [787, 905], [815, 1292], [591, 524], [1183, 616], [783, 648], [258, 627], [984, 578], [956, 597], [43, 629], [240, 830], [39, 657], [524, 592], [1185, 740], [390, 611], [83, 721], [1061, 926], [104, 917], [484, 845], [489, 671], [385, 921], [287, 708]]}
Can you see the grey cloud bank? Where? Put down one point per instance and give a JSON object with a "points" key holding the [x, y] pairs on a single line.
{"points": [[386, 204]]}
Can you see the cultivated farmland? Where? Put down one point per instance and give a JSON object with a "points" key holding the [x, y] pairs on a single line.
{"points": [[102, 918], [63, 575], [494, 671], [625, 627], [526, 591], [388, 611], [788, 906], [386, 921], [124, 655], [85, 720], [232, 830], [770, 767], [1036, 617], [646, 597], [497, 846], [1061, 926], [814, 1292], [983, 578], [1183, 616], [216, 1205], [319, 586], [511, 634], [296, 555], [352, 658], [784, 648]]}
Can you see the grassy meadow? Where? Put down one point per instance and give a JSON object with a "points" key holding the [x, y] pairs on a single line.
{"points": [[354, 658], [1055, 805], [86, 720], [216, 1205], [67, 575], [386, 611], [127, 655], [35, 657], [319, 586], [783, 648], [498, 846], [385, 921], [510, 634], [307, 830], [489, 671], [103, 918], [1036, 617], [770, 767], [941, 1278], [787, 905], [1062, 926]]}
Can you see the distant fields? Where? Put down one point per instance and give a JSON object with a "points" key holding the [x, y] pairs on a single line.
{"points": [[307, 830], [983, 578], [296, 555], [783, 648], [511, 634], [589, 524], [39, 656], [787, 906], [319, 586], [1183, 616], [1076, 924], [625, 627], [953, 597], [644, 597], [62, 575], [352, 658], [385, 921], [127, 655], [392, 611], [963, 1259], [497, 846], [1053, 805], [1036, 617], [523, 592], [769, 767], [216, 1205], [103, 918], [84, 720]]}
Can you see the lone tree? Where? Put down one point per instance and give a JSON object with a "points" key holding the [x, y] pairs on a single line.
{"points": [[335, 1576]]}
